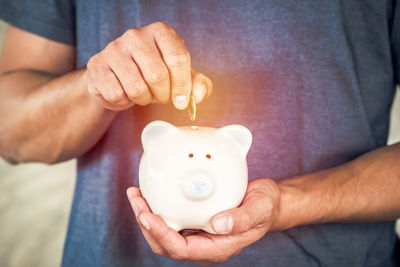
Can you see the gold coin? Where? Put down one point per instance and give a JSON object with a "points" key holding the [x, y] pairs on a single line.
{"points": [[192, 108]]}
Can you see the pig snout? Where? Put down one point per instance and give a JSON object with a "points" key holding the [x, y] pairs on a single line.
{"points": [[197, 185]]}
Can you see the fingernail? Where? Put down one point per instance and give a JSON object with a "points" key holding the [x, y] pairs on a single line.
{"points": [[199, 91], [145, 221], [223, 225], [181, 102], [129, 194]]}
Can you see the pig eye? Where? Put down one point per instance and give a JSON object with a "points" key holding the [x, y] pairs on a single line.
{"points": [[190, 155], [208, 156]]}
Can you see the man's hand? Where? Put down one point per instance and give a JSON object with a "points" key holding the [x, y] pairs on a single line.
{"points": [[237, 227], [145, 65], [41, 93], [360, 191]]}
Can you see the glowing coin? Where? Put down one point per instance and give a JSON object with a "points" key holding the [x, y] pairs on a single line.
{"points": [[192, 108]]}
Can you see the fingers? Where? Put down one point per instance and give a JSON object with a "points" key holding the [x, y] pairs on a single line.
{"points": [[258, 209], [145, 53], [103, 83], [100, 99], [177, 60], [139, 206], [202, 247], [129, 75], [143, 66], [133, 192], [235, 221], [202, 86], [162, 239], [170, 240]]}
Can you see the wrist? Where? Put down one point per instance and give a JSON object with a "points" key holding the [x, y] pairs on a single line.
{"points": [[310, 199], [289, 197], [299, 203], [95, 105]]}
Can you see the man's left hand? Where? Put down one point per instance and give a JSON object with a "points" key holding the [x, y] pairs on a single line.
{"points": [[237, 228]]}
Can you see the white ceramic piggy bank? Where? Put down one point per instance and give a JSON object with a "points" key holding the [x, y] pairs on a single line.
{"points": [[189, 174]]}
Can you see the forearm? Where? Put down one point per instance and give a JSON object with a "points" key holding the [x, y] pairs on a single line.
{"points": [[48, 119], [363, 190]]}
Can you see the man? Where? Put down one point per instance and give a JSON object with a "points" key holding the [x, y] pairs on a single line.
{"points": [[313, 81]]}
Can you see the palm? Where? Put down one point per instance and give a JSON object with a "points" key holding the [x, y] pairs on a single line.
{"points": [[201, 246]]}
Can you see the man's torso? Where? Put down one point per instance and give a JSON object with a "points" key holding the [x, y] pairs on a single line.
{"points": [[312, 80]]}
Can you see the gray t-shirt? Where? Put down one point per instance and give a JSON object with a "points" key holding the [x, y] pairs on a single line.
{"points": [[313, 80]]}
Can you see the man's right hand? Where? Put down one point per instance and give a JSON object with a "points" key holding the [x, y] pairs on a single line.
{"points": [[143, 66], [48, 113]]}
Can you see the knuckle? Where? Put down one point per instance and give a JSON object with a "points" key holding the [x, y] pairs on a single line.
{"points": [[96, 68], [136, 91], [114, 97], [161, 25], [113, 46], [162, 31], [143, 102], [245, 221], [249, 221], [131, 34], [158, 75], [179, 58], [93, 61], [96, 64], [268, 207]]}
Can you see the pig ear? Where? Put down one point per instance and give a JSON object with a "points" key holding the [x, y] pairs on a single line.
{"points": [[154, 130], [240, 134]]}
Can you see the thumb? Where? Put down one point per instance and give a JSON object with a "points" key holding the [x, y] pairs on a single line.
{"points": [[238, 220], [257, 209], [201, 86]]}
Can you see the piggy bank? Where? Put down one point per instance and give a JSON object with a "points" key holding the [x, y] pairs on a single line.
{"points": [[189, 174]]}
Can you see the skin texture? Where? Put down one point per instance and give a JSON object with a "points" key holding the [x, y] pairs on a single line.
{"points": [[54, 113], [363, 190], [143, 66]]}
